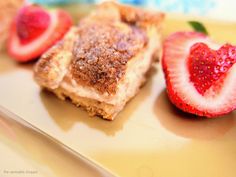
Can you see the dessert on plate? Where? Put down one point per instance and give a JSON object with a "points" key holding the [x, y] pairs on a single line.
{"points": [[102, 63]]}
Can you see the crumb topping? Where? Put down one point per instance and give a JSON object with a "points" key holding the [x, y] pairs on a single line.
{"points": [[102, 51]]}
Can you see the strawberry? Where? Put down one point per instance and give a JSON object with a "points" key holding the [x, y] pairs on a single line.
{"points": [[34, 30], [31, 23], [207, 66], [200, 75]]}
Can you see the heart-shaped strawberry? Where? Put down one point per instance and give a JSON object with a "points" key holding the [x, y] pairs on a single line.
{"points": [[31, 23], [200, 75], [34, 30], [206, 66]]}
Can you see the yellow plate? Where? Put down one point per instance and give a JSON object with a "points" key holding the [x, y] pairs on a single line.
{"points": [[148, 138], [27, 151]]}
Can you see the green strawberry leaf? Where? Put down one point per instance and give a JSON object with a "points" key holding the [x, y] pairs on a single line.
{"points": [[198, 27]]}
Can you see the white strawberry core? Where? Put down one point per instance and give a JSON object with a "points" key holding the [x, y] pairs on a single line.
{"points": [[176, 55], [17, 47]]}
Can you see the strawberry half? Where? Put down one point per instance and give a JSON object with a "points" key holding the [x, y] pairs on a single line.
{"points": [[34, 30], [200, 75]]}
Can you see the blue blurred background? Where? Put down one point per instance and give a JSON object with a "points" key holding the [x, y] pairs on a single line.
{"points": [[219, 9]]}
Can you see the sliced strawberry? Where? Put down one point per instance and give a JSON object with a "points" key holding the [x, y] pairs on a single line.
{"points": [[200, 75], [35, 30], [206, 66], [31, 23]]}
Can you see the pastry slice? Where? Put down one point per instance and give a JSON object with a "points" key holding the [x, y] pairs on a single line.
{"points": [[102, 63]]}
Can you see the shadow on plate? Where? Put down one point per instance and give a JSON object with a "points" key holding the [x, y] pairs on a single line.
{"points": [[7, 64], [66, 115], [188, 125]]}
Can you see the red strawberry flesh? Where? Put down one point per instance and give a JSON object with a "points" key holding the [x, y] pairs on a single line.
{"points": [[200, 75], [206, 66], [35, 30], [31, 22]]}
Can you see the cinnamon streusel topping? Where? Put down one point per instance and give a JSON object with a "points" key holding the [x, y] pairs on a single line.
{"points": [[101, 53]]}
